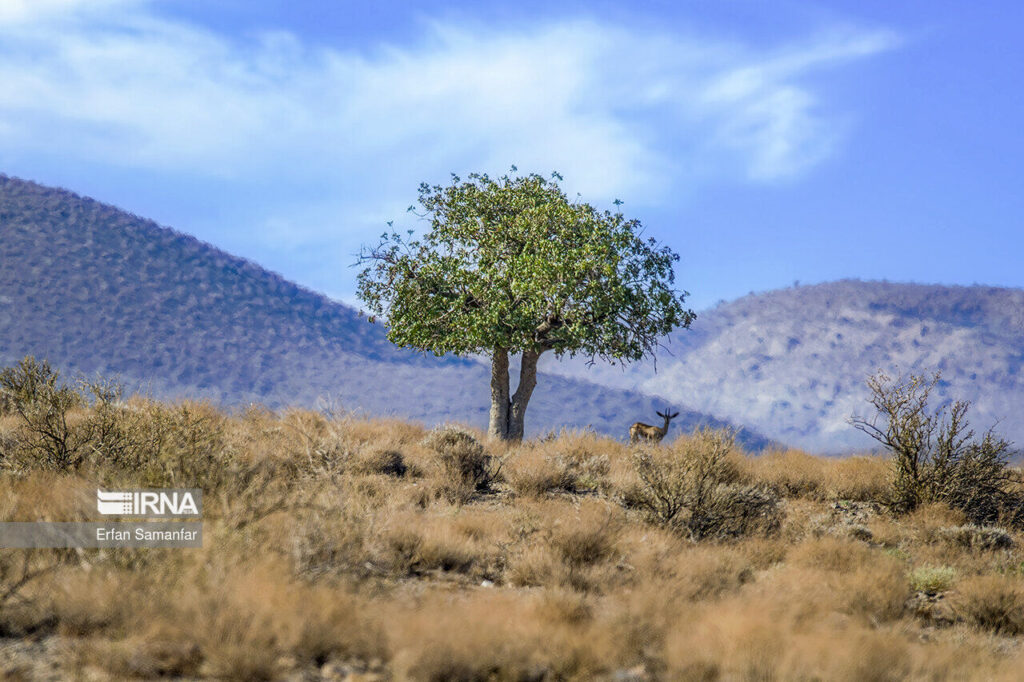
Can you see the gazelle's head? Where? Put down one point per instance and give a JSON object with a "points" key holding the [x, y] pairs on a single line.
{"points": [[668, 416]]}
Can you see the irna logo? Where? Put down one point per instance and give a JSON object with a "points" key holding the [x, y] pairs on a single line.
{"points": [[161, 503]]}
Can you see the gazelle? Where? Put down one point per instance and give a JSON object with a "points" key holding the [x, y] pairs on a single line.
{"points": [[654, 434]]}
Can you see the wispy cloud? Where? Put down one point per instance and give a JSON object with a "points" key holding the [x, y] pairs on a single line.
{"points": [[346, 135]]}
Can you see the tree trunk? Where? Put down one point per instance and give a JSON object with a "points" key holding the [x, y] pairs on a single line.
{"points": [[498, 427], [527, 382], [508, 414]]}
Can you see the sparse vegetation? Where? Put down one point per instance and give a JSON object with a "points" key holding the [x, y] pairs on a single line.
{"points": [[693, 487], [338, 546], [936, 457]]}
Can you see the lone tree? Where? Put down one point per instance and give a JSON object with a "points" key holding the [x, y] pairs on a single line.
{"points": [[510, 265]]}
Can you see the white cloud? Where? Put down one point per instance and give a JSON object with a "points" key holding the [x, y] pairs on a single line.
{"points": [[28, 11], [619, 113]]}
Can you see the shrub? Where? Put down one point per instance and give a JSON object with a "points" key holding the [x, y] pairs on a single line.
{"points": [[590, 540], [552, 466], [994, 603], [187, 448], [382, 461], [691, 488], [935, 455], [466, 466], [580, 469], [932, 579], [535, 477], [18, 569], [34, 393], [792, 473], [975, 537]]}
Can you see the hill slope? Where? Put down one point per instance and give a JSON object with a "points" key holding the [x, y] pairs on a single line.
{"points": [[95, 289], [792, 362]]}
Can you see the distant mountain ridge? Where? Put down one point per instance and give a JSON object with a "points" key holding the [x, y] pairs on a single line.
{"points": [[792, 363], [95, 289]]}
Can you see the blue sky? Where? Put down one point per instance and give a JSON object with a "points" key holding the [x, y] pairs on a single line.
{"points": [[765, 142]]}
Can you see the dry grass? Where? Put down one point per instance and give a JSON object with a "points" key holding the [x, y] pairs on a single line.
{"points": [[336, 546]]}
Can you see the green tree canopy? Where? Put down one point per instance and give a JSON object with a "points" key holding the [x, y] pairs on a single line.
{"points": [[511, 265]]}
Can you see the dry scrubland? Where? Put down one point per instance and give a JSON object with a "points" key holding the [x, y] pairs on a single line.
{"points": [[338, 548]]}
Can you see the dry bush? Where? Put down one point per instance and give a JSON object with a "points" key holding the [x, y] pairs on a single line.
{"points": [[570, 546], [411, 545], [49, 436], [861, 478], [833, 554], [311, 440], [350, 569], [935, 455], [984, 538], [847, 576], [466, 466], [263, 623], [797, 474], [571, 464], [20, 609], [992, 602], [471, 637], [532, 475], [867, 588], [188, 447], [581, 464], [588, 538], [325, 544], [384, 461], [65, 428], [790, 473], [705, 573], [690, 487], [391, 432]]}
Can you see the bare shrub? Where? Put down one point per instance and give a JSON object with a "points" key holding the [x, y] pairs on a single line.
{"points": [[117, 436], [35, 394], [935, 455], [315, 441], [691, 488], [187, 447], [467, 468]]}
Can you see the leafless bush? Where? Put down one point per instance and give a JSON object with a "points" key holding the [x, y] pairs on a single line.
{"points": [[187, 447], [48, 440], [935, 455], [692, 489], [19, 568]]}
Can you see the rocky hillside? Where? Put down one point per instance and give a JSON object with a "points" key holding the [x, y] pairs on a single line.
{"points": [[95, 289], [792, 363]]}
